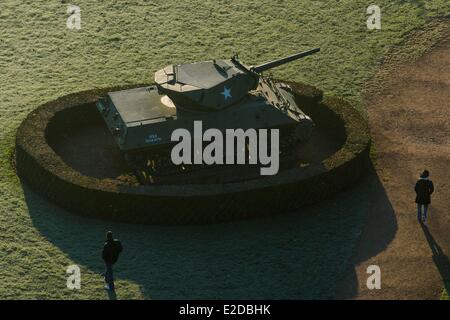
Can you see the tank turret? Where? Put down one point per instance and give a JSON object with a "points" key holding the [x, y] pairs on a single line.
{"points": [[214, 85]]}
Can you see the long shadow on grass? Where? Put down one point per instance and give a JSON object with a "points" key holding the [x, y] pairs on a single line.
{"points": [[296, 256], [379, 230]]}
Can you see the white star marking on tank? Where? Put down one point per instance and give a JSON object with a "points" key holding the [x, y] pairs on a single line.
{"points": [[226, 93]]}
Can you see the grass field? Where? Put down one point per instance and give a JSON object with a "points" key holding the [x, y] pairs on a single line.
{"points": [[121, 42]]}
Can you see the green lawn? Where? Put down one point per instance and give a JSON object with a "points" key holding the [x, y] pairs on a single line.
{"points": [[122, 42], [445, 294]]}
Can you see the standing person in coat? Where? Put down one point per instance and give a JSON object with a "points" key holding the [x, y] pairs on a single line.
{"points": [[424, 188], [111, 250]]}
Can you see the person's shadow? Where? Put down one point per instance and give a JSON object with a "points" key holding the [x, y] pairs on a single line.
{"points": [[441, 261]]}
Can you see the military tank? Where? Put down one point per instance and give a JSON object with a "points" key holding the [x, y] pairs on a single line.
{"points": [[223, 94]]}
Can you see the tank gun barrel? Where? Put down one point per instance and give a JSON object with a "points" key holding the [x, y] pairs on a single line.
{"points": [[279, 62]]}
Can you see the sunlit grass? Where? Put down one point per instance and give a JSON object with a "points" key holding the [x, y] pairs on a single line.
{"points": [[445, 294], [125, 42]]}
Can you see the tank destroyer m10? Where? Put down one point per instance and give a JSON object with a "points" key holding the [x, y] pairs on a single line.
{"points": [[223, 94]]}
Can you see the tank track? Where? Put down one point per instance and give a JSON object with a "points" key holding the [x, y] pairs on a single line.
{"points": [[150, 167]]}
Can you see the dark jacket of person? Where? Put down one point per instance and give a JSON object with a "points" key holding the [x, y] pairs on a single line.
{"points": [[111, 251], [424, 188]]}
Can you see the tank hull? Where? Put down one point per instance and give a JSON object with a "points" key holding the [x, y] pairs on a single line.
{"points": [[142, 120], [147, 123]]}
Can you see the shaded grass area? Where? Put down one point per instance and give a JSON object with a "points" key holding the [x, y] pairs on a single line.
{"points": [[294, 256], [124, 42]]}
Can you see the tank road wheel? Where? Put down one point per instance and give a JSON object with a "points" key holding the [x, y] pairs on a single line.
{"points": [[139, 165], [161, 165]]}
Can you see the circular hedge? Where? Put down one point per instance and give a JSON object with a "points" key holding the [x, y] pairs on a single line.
{"points": [[41, 168]]}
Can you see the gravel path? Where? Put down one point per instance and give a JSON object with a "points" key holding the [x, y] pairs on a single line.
{"points": [[410, 124]]}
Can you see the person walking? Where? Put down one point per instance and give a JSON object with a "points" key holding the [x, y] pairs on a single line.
{"points": [[424, 188], [110, 254]]}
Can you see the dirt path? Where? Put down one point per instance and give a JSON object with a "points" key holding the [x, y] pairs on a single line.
{"points": [[410, 124]]}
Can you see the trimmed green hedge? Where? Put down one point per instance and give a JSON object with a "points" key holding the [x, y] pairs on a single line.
{"points": [[45, 171]]}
